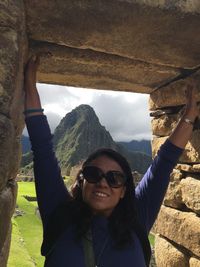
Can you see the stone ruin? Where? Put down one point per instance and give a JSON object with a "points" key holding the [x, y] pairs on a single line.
{"points": [[144, 46]]}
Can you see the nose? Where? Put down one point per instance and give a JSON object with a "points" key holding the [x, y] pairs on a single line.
{"points": [[103, 182]]}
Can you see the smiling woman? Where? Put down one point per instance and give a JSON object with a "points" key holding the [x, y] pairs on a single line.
{"points": [[106, 220]]}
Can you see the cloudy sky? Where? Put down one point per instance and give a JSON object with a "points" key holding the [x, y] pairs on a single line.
{"points": [[125, 115]]}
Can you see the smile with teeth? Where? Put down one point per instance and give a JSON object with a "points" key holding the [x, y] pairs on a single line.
{"points": [[100, 194]]}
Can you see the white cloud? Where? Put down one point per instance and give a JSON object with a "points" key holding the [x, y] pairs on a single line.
{"points": [[125, 115]]}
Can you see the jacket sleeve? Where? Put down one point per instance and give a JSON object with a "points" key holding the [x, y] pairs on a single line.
{"points": [[50, 188], [151, 190]]}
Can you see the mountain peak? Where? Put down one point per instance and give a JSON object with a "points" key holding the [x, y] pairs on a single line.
{"points": [[79, 134]]}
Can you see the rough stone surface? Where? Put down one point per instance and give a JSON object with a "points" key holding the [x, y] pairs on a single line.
{"points": [[190, 193], [194, 262], [164, 97], [181, 227], [126, 28], [187, 6], [11, 15], [13, 52], [163, 126], [176, 175], [7, 206], [168, 255], [12, 48], [7, 135], [4, 252], [193, 168], [93, 69], [191, 153], [173, 195]]}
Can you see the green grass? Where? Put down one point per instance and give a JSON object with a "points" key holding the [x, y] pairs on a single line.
{"points": [[26, 188], [152, 239], [19, 255], [27, 228]]}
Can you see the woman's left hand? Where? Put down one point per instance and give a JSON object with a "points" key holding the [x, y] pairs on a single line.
{"points": [[191, 108]]}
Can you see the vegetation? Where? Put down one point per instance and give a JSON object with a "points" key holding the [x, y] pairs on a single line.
{"points": [[26, 231], [152, 239]]}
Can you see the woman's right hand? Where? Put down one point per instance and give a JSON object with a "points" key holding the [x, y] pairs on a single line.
{"points": [[31, 72], [32, 98]]}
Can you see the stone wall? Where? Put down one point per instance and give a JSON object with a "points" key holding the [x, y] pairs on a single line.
{"points": [[13, 46], [178, 224]]}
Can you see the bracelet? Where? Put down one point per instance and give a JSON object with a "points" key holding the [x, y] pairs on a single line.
{"points": [[188, 121], [33, 110]]}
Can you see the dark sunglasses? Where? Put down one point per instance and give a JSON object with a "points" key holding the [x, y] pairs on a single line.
{"points": [[93, 175]]}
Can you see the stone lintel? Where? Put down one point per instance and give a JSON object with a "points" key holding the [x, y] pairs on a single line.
{"points": [[86, 68], [131, 29]]}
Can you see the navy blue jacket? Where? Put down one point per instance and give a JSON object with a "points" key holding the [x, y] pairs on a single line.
{"points": [[51, 192]]}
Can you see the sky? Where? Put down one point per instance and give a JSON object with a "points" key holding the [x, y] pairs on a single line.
{"points": [[125, 115]]}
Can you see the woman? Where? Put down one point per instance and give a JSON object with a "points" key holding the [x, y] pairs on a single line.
{"points": [[106, 221]]}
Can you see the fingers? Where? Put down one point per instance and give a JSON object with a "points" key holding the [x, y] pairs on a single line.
{"points": [[190, 91]]}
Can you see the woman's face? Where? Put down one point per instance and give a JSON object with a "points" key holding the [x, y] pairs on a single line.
{"points": [[100, 196]]}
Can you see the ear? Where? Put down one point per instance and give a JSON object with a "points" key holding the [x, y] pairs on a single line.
{"points": [[123, 192]]}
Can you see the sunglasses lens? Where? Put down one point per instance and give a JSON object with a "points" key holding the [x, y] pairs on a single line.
{"points": [[93, 175], [115, 179]]}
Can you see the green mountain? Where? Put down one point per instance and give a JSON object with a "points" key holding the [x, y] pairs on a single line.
{"points": [[80, 133], [138, 146]]}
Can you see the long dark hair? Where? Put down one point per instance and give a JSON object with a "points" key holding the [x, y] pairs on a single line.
{"points": [[124, 218]]}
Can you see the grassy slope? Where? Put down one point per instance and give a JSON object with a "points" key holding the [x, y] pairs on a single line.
{"points": [[19, 255], [28, 230]]}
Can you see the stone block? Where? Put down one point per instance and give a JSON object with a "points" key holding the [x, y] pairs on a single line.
{"points": [[173, 195], [7, 135], [191, 153], [94, 69], [11, 14], [182, 228], [4, 252], [190, 193], [176, 175], [173, 94], [194, 262], [163, 126], [132, 29], [7, 206], [167, 255], [8, 67], [192, 168]]}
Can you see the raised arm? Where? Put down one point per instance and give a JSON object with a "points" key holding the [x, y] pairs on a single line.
{"points": [[152, 188], [50, 187]]}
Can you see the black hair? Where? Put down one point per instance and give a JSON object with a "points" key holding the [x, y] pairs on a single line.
{"points": [[124, 218]]}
